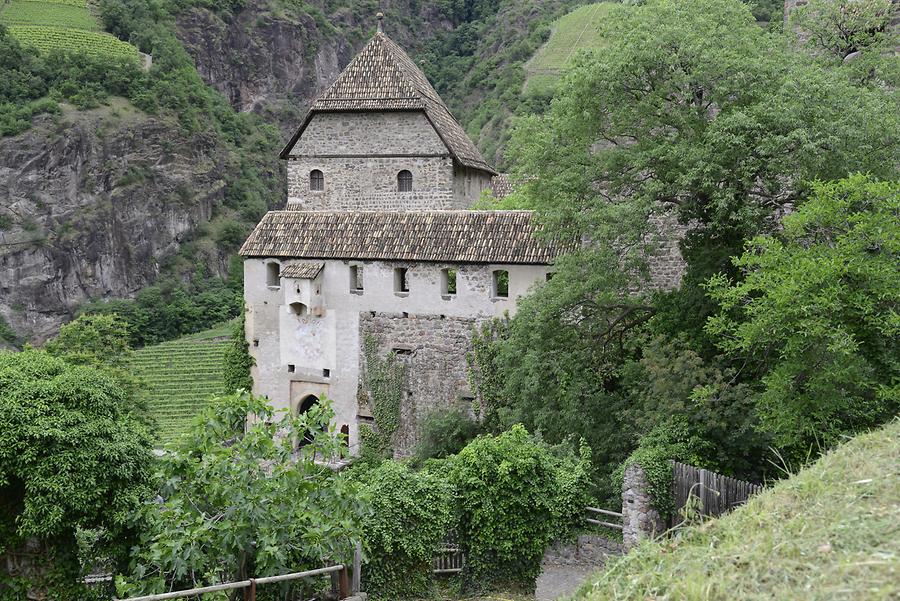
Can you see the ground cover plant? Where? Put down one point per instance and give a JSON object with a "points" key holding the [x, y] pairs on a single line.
{"points": [[236, 498], [827, 532]]}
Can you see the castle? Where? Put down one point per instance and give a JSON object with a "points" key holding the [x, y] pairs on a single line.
{"points": [[376, 243]]}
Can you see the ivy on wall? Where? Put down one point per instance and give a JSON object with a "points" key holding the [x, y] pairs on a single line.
{"points": [[381, 386]]}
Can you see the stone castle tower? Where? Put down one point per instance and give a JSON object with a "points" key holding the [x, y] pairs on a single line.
{"points": [[376, 246]]}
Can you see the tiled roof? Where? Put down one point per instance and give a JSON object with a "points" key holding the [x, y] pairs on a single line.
{"points": [[501, 186], [303, 271], [439, 236], [382, 77]]}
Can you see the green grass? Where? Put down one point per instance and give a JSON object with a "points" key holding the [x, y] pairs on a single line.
{"points": [[830, 532], [19, 12], [61, 25], [180, 377], [578, 30]]}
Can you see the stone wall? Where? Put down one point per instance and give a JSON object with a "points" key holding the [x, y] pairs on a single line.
{"points": [[639, 518], [395, 133], [434, 348], [370, 184]]}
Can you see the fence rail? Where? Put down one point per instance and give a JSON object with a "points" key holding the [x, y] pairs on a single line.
{"points": [[251, 584], [595, 510], [718, 494]]}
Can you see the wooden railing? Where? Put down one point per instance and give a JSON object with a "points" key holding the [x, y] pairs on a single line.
{"points": [[596, 522], [249, 585]]}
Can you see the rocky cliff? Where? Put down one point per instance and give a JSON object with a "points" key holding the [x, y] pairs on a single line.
{"points": [[274, 59], [90, 203]]}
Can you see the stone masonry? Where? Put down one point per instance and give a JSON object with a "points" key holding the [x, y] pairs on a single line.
{"points": [[639, 519]]}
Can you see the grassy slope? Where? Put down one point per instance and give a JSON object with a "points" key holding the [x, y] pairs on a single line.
{"points": [[576, 31], [830, 532], [65, 25], [181, 376]]}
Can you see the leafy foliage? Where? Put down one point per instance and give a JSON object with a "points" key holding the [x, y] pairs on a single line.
{"points": [[409, 513], [71, 456], [169, 310], [238, 499], [93, 340], [666, 442], [444, 432], [514, 496], [238, 360], [816, 314], [381, 386]]}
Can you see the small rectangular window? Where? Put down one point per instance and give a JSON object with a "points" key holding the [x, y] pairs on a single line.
{"points": [[356, 278], [549, 275], [401, 283], [448, 282], [273, 275], [501, 284], [291, 368]]}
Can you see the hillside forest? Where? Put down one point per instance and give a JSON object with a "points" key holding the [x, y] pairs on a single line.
{"points": [[770, 142]]}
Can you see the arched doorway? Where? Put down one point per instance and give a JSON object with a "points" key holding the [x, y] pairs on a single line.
{"points": [[305, 405]]}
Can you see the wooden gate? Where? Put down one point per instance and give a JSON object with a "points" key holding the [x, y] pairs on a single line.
{"points": [[718, 494], [448, 557]]}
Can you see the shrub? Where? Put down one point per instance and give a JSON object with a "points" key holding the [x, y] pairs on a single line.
{"points": [[444, 432], [514, 496], [409, 515]]}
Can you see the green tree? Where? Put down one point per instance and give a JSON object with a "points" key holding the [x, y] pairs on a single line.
{"points": [[514, 496], [71, 457], [816, 314], [237, 498], [238, 360], [93, 340]]}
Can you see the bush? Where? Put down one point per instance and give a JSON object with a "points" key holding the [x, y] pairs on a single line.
{"points": [[444, 432], [514, 497], [409, 515], [666, 442], [71, 457]]}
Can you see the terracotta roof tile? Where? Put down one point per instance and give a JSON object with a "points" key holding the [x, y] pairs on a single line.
{"points": [[382, 77], [303, 271], [437, 236]]}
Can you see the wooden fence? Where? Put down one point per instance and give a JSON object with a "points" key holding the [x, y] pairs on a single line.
{"points": [[718, 494], [448, 557]]}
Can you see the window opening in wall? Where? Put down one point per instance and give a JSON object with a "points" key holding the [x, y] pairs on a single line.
{"points": [[316, 180], [404, 181], [291, 368], [448, 282], [307, 404], [549, 275], [299, 309], [403, 351], [501, 283], [255, 342], [273, 275], [401, 283], [326, 373], [356, 278]]}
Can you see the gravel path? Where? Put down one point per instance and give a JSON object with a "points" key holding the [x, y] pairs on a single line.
{"points": [[557, 581]]}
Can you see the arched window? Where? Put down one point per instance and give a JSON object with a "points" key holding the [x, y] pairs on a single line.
{"points": [[299, 309], [404, 181], [316, 180], [273, 275], [308, 403]]}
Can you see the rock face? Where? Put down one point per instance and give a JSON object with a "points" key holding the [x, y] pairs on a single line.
{"points": [[90, 202], [274, 60]]}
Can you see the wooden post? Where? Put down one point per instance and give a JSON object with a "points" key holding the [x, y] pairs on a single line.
{"points": [[250, 591], [357, 569], [344, 583]]}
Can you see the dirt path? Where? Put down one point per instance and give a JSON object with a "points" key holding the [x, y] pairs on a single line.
{"points": [[566, 568], [557, 582]]}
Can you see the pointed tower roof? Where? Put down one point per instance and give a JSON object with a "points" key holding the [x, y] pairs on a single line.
{"points": [[382, 77]]}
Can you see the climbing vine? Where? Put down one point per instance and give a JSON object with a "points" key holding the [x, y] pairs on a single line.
{"points": [[381, 385], [665, 443], [485, 372], [238, 360]]}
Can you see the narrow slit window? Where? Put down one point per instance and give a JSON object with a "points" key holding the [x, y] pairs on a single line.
{"points": [[356, 278], [316, 180], [448, 282], [501, 283], [273, 275], [401, 280], [404, 181]]}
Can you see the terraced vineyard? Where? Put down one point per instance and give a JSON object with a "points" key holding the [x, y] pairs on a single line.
{"points": [[576, 31], [61, 25], [180, 377]]}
